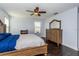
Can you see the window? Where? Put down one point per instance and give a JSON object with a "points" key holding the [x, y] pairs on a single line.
{"points": [[37, 27], [7, 24]]}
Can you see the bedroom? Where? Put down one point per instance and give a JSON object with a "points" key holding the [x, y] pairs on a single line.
{"points": [[16, 18]]}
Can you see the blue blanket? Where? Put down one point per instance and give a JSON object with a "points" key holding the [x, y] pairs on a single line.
{"points": [[9, 43]]}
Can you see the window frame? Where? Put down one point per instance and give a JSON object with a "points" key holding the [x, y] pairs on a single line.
{"points": [[37, 28]]}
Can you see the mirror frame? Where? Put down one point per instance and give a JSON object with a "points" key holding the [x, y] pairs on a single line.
{"points": [[56, 21]]}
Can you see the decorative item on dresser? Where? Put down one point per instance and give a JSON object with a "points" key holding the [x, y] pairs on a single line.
{"points": [[2, 27], [54, 34]]}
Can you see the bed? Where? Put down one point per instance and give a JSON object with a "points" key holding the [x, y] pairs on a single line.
{"points": [[21, 45]]}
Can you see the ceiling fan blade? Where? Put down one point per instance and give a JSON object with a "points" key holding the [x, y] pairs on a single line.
{"points": [[39, 15], [29, 11], [42, 11]]}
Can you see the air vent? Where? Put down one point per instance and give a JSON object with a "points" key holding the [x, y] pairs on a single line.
{"points": [[55, 13]]}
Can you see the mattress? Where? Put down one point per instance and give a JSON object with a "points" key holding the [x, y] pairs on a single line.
{"points": [[29, 40]]}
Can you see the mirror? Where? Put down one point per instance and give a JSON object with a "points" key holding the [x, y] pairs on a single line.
{"points": [[55, 24]]}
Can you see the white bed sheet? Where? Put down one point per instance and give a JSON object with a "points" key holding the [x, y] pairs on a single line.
{"points": [[29, 40]]}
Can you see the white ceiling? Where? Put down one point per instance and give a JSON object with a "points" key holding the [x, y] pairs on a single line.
{"points": [[18, 9]]}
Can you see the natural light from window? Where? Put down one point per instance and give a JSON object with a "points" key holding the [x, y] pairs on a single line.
{"points": [[37, 27]]}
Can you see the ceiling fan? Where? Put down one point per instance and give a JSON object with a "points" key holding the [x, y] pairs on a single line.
{"points": [[36, 11]]}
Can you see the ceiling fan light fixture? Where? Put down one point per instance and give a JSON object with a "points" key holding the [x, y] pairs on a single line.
{"points": [[36, 14]]}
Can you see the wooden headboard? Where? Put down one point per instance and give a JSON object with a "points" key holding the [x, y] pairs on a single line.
{"points": [[2, 27]]}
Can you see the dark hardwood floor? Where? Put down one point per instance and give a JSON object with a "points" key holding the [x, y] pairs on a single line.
{"points": [[53, 50]]}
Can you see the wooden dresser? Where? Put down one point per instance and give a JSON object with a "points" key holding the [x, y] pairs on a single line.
{"points": [[54, 35]]}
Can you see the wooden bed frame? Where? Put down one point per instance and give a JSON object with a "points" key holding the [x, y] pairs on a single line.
{"points": [[27, 51]]}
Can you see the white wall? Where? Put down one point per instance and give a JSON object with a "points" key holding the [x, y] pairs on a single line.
{"points": [[19, 23], [78, 28], [69, 26]]}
